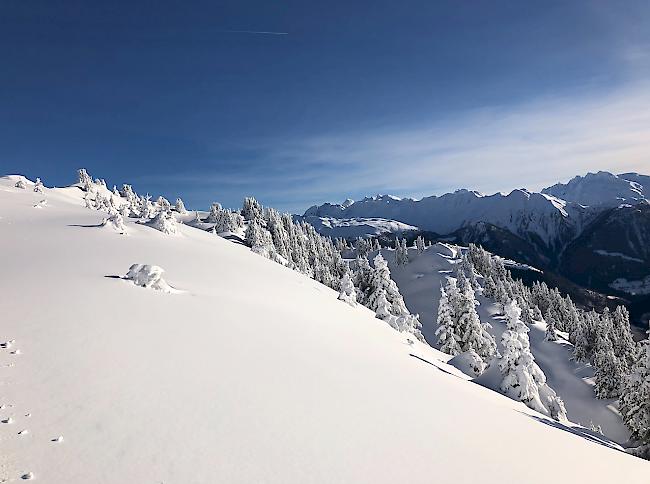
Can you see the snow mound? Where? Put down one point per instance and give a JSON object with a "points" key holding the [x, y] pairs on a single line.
{"points": [[469, 363], [150, 276]]}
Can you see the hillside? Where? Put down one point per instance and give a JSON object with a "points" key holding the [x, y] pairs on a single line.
{"points": [[250, 373]]}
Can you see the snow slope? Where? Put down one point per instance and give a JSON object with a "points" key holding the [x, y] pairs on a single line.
{"points": [[348, 228], [419, 281], [253, 373]]}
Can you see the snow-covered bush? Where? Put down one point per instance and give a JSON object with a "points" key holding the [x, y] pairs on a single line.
{"points": [[347, 292], [20, 184], [164, 222], [116, 222], [38, 186], [149, 276]]}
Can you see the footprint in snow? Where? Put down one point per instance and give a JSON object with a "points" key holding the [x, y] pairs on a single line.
{"points": [[7, 420], [23, 432], [58, 439], [16, 352], [7, 344], [28, 476]]}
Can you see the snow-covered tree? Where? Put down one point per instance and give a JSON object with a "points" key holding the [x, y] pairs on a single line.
{"points": [[419, 244], [383, 308], [38, 186], [609, 373], [625, 349], [163, 204], [214, 212], [401, 252], [446, 327], [362, 247], [164, 222], [635, 403], [381, 285], [228, 221], [251, 209], [116, 222], [85, 180], [180, 206], [551, 335], [347, 292], [523, 379], [459, 326], [259, 239], [474, 335]]}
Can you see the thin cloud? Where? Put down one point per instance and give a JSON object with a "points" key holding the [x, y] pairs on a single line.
{"points": [[492, 149]]}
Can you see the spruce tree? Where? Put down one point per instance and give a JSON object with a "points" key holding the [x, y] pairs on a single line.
{"points": [[635, 401], [347, 292]]}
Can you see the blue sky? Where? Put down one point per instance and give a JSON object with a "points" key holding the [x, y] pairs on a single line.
{"points": [[342, 99]]}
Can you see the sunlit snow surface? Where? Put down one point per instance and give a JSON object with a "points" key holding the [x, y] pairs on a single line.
{"points": [[254, 373]]}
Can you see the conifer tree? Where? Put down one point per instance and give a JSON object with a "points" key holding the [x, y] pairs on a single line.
{"points": [[635, 402], [347, 292], [446, 331], [180, 206]]}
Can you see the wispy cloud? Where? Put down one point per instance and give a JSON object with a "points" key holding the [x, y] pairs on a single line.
{"points": [[490, 149]]}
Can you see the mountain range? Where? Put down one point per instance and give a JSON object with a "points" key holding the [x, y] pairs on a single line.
{"points": [[594, 230]]}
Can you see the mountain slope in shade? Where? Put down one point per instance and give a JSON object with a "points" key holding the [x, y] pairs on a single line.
{"points": [[253, 373], [601, 189], [614, 246]]}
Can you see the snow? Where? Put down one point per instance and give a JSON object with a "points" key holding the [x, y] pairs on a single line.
{"points": [[357, 226], [255, 374], [634, 288], [419, 281]]}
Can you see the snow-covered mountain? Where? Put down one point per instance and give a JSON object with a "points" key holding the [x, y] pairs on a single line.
{"points": [[601, 189], [534, 228], [543, 220], [243, 371]]}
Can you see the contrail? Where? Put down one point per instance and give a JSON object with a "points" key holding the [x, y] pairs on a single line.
{"points": [[259, 32]]}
